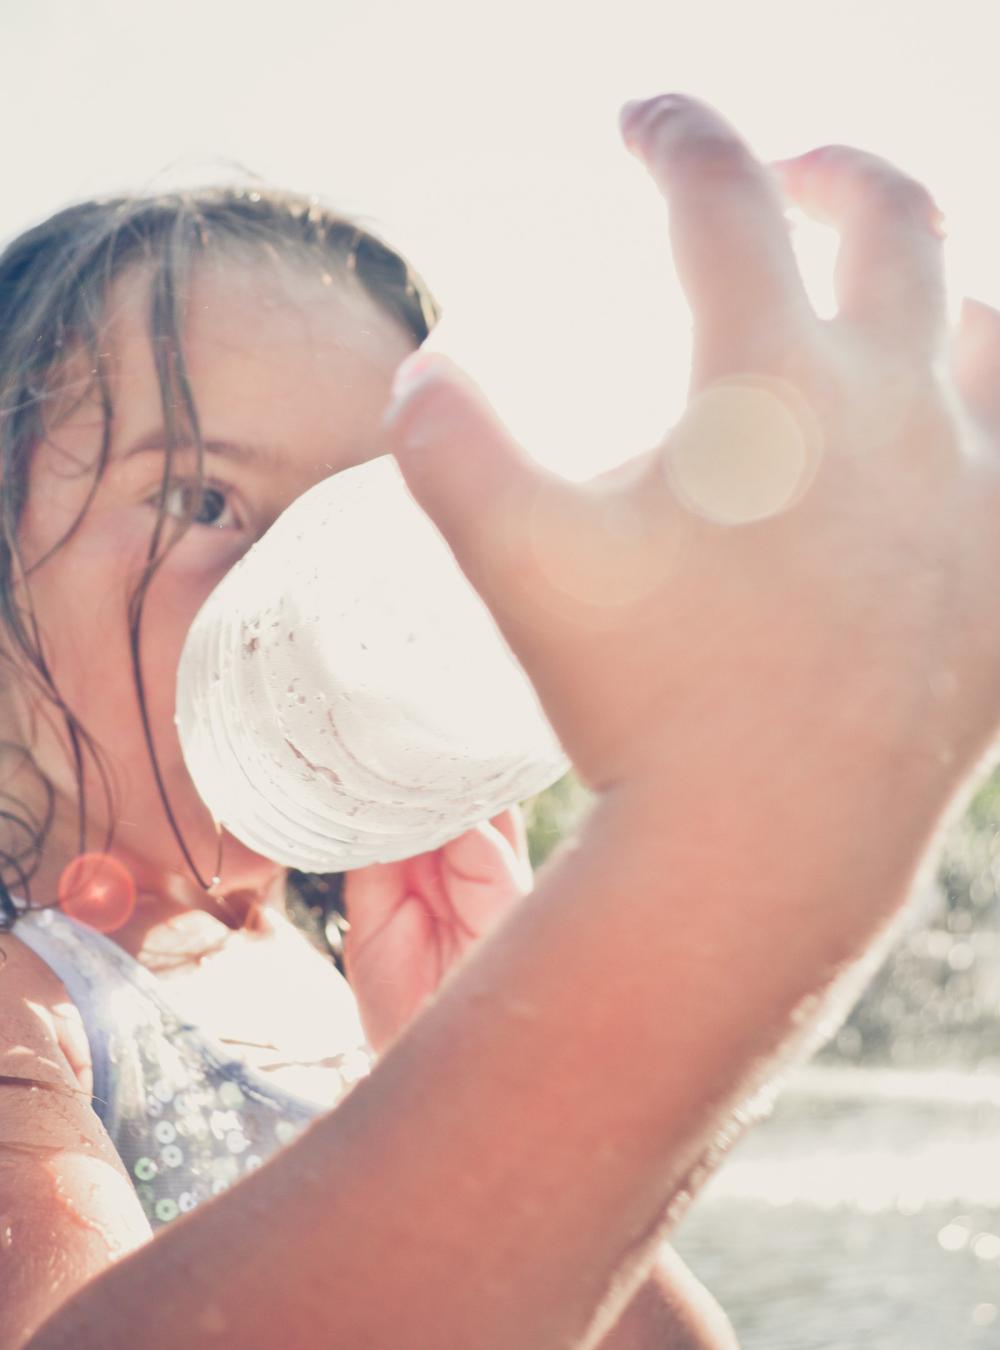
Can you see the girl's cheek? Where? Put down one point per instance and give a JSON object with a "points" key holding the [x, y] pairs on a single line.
{"points": [[204, 562], [198, 551], [186, 579]]}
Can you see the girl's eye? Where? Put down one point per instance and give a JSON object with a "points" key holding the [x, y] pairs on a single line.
{"points": [[204, 504]]}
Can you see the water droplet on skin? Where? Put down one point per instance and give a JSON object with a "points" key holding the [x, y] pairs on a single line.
{"points": [[6, 1235], [68, 1206]]}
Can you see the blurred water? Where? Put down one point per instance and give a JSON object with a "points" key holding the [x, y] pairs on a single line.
{"points": [[865, 1213]]}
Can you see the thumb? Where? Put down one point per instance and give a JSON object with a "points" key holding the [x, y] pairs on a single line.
{"points": [[469, 475]]}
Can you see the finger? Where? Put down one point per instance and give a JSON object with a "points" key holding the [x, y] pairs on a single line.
{"points": [[976, 360], [404, 960], [516, 530], [483, 856], [562, 567], [511, 825], [371, 896], [462, 467], [890, 269], [728, 231], [536, 547], [483, 879], [424, 876]]}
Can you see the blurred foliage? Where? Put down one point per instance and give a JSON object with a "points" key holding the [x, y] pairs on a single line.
{"points": [[553, 815], [935, 1002]]}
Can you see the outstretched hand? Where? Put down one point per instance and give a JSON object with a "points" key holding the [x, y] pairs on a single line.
{"points": [[411, 921], [770, 645], [804, 570]]}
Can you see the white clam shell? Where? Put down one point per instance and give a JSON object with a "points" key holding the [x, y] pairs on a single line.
{"points": [[344, 696]]}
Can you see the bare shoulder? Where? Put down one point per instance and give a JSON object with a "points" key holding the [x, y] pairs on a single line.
{"points": [[69, 1209], [38, 992]]}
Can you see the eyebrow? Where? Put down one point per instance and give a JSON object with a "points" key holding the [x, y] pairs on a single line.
{"points": [[158, 439]]}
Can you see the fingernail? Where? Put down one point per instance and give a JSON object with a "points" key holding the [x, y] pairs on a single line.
{"points": [[410, 372], [637, 117], [410, 420], [631, 117], [629, 112], [410, 375]]}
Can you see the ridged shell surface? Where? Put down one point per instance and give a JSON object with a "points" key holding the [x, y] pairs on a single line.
{"points": [[344, 696]]}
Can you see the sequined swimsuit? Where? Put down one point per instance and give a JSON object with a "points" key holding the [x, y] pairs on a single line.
{"points": [[186, 1117]]}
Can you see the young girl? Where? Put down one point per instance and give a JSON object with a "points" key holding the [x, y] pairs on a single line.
{"points": [[766, 646], [176, 372]]}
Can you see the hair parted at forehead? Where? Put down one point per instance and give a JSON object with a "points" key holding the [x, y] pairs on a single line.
{"points": [[55, 280]]}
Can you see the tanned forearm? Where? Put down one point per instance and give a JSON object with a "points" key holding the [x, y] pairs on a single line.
{"points": [[476, 1191]]}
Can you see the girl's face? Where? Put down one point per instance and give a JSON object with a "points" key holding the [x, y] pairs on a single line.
{"points": [[290, 378]]}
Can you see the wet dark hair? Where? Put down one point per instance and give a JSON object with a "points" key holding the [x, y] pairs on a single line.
{"points": [[54, 285]]}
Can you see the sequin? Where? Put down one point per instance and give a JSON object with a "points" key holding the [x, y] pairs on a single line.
{"points": [[231, 1094], [186, 1119], [222, 1122]]}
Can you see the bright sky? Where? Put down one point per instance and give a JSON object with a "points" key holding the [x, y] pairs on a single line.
{"points": [[483, 140]]}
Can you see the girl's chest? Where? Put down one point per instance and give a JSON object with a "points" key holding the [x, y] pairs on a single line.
{"points": [[275, 1003]]}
